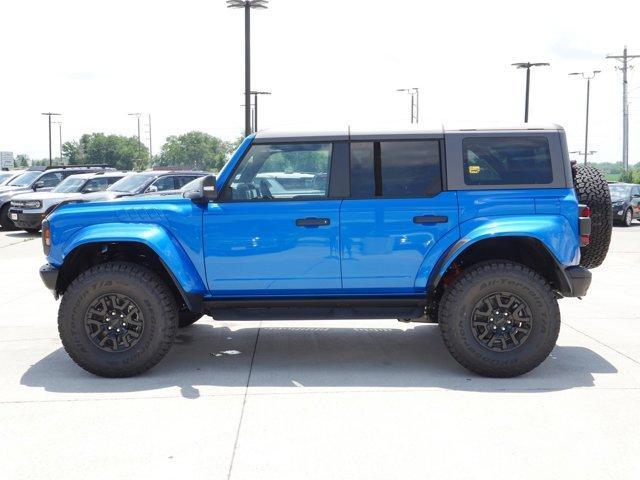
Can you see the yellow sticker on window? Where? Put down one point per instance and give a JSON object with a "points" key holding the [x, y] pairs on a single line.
{"points": [[474, 169]]}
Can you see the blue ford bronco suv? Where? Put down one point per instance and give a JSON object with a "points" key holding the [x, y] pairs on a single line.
{"points": [[480, 231]]}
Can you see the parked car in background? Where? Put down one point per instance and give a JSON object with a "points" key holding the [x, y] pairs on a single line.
{"points": [[152, 181], [29, 209], [625, 202], [41, 179], [7, 175]]}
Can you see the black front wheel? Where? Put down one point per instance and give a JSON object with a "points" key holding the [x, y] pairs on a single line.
{"points": [[5, 221], [628, 218], [499, 319], [117, 319]]}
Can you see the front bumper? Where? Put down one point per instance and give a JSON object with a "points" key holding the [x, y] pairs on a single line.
{"points": [[49, 276], [618, 212], [22, 219], [578, 281]]}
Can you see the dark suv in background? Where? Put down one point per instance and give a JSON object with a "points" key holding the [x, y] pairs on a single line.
{"points": [[625, 202]]}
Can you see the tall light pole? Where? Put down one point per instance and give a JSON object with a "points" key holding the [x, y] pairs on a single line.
{"points": [[247, 5], [624, 59], [588, 77], [50, 114], [150, 142], [255, 108], [59, 137], [139, 142], [528, 66], [415, 102]]}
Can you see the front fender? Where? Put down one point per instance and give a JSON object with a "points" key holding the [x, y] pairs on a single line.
{"points": [[553, 231], [153, 236]]}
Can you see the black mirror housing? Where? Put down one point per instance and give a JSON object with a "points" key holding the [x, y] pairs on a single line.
{"points": [[207, 191]]}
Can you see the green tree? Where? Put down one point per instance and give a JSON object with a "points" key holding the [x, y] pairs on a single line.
{"points": [[196, 150], [22, 160], [123, 153]]}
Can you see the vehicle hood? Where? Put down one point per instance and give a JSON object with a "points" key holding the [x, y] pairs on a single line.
{"points": [[42, 196], [8, 194], [618, 199], [7, 188]]}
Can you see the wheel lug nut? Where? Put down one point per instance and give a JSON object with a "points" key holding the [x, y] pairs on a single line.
{"points": [[502, 328], [494, 327], [491, 319]]}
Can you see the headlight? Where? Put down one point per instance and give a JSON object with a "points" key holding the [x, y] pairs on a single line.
{"points": [[26, 204]]}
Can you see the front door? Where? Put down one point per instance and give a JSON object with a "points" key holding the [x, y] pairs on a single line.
{"points": [[396, 214], [275, 230]]}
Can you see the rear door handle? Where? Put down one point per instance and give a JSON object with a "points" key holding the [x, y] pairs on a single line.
{"points": [[312, 222], [424, 219]]}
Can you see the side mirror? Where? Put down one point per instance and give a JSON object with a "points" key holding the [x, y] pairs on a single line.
{"points": [[205, 192], [152, 189], [37, 185]]}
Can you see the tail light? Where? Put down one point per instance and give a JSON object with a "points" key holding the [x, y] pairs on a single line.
{"points": [[46, 237], [585, 225]]}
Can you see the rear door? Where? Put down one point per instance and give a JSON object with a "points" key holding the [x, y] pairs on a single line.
{"points": [[396, 213]]}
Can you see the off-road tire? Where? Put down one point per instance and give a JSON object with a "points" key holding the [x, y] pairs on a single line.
{"points": [[593, 191], [455, 318], [147, 290], [186, 318], [5, 221]]}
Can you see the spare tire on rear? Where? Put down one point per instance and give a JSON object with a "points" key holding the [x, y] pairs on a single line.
{"points": [[592, 190]]}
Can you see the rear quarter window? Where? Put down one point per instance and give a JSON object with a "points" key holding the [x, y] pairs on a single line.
{"points": [[507, 161]]}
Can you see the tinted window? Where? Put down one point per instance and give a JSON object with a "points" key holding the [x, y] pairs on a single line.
{"points": [[282, 171], [50, 179], [506, 161], [182, 181], [164, 183], [395, 169], [112, 180], [95, 185], [362, 171]]}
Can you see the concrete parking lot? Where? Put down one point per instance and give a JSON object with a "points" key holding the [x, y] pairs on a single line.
{"points": [[322, 400]]}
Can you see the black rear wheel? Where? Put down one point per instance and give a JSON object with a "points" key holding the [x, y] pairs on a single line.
{"points": [[592, 190], [499, 319], [5, 221], [117, 319]]}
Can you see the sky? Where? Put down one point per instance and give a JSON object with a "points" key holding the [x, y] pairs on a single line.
{"points": [[330, 62]]}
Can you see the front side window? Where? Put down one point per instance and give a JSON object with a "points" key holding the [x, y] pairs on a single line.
{"points": [[395, 169], [163, 184], [506, 161], [282, 171], [50, 179], [95, 185]]}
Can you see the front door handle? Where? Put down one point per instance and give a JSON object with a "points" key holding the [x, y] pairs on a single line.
{"points": [[312, 222], [425, 219]]}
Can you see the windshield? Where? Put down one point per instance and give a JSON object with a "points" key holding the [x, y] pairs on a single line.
{"points": [[4, 176], [132, 183], [25, 179], [70, 185], [620, 192]]}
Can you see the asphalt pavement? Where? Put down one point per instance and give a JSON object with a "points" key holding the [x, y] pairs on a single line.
{"points": [[322, 400]]}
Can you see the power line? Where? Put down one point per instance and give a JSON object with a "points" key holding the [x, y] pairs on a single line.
{"points": [[624, 59]]}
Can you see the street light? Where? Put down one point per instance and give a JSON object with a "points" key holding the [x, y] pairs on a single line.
{"points": [[588, 78], [49, 114], [59, 138], [415, 102], [247, 5], [528, 66], [139, 142], [255, 108]]}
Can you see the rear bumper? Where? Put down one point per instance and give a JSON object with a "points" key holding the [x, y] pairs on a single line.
{"points": [[49, 276], [578, 281], [26, 220]]}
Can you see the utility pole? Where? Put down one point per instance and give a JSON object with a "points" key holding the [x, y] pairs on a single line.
{"points": [[139, 142], [247, 5], [624, 59], [255, 108], [588, 78], [415, 102], [528, 66], [59, 138], [150, 142], [49, 114]]}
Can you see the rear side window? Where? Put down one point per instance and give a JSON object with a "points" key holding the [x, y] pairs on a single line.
{"points": [[395, 169], [506, 161]]}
